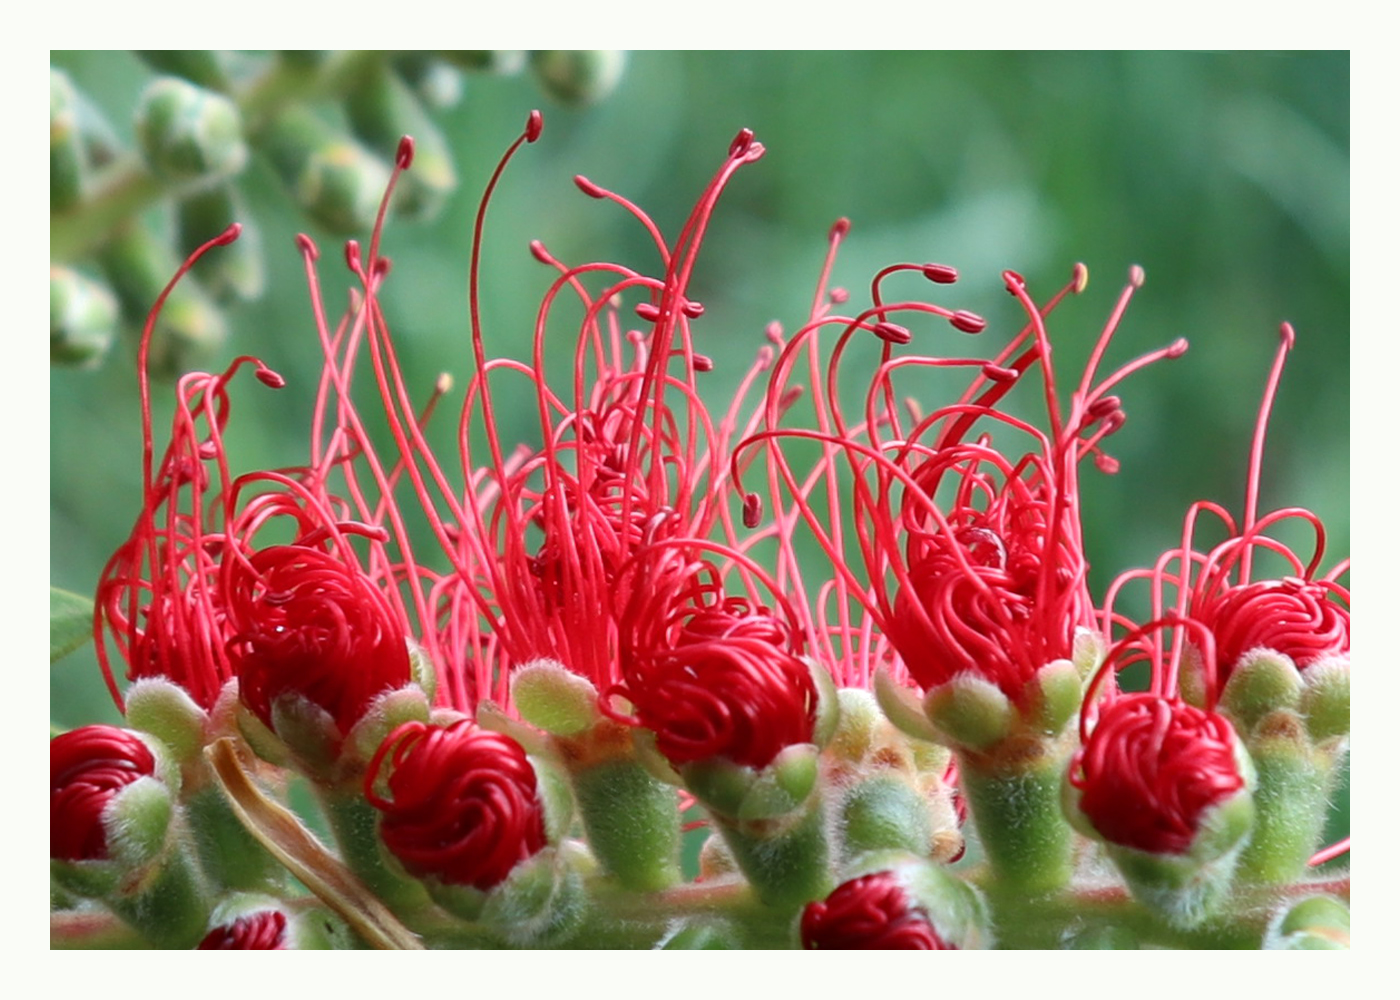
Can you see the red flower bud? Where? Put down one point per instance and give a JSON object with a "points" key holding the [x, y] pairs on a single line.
{"points": [[461, 804], [264, 930], [87, 768], [872, 913], [306, 622], [1151, 768]]}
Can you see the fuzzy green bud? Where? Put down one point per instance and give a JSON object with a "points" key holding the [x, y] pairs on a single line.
{"points": [[1326, 699], [334, 179], [82, 318], [970, 712], [553, 698], [188, 133], [1262, 682], [579, 76]]}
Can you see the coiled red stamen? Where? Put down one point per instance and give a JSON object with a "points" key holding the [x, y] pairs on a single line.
{"points": [[306, 622], [1151, 767], [461, 803]]}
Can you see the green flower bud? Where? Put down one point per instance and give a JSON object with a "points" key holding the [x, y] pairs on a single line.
{"points": [[68, 164], [155, 705], [1326, 700], [386, 713], [504, 62], [1058, 692], [579, 76], [188, 133], [903, 708], [550, 696], [204, 67], [82, 318], [970, 712], [437, 84], [828, 703], [332, 177], [1262, 682], [1317, 923], [382, 109], [884, 813], [543, 901], [236, 272], [781, 787]]}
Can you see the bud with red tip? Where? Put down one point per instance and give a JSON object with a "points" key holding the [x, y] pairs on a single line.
{"points": [[1167, 788], [265, 930], [88, 769], [898, 902], [872, 912], [254, 922], [459, 804]]}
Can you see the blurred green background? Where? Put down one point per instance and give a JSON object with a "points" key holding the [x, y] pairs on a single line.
{"points": [[1225, 175]]}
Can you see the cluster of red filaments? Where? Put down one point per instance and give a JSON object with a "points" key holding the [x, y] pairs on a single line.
{"points": [[459, 803], [309, 623], [87, 768], [265, 930], [982, 551], [872, 912]]}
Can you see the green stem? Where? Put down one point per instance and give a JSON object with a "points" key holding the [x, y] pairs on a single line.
{"points": [[1290, 803], [126, 187], [787, 860], [633, 823], [229, 854], [354, 823], [171, 910], [1017, 814]]}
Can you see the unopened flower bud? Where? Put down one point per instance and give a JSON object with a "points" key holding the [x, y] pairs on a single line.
{"points": [[68, 162], [335, 180], [580, 76], [1317, 923], [89, 768], [460, 804], [249, 922], [1167, 788], [904, 905], [188, 133], [554, 698], [82, 318], [381, 109], [202, 66]]}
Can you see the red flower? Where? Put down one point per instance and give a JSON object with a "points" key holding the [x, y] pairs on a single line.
{"points": [[461, 803], [1302, 613], [306, 621], [87, 768], [1150, 768], [974, 557], [872, 912], [264, 930]]}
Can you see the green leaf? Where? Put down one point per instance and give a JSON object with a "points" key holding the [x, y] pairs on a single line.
{"points": [[70, 622]]}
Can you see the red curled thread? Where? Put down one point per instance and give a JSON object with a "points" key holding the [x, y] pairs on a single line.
{"points": [[1289, 616], [872, 912], [461, 803], [87, 768]]}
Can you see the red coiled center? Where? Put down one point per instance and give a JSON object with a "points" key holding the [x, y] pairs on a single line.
{"points": [[1291, 616], [1150, 768], [461, 802], [872, 912], [308, 623], [261, 931]]}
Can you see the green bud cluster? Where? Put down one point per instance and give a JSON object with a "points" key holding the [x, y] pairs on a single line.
{"points": [[327, 122]]}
